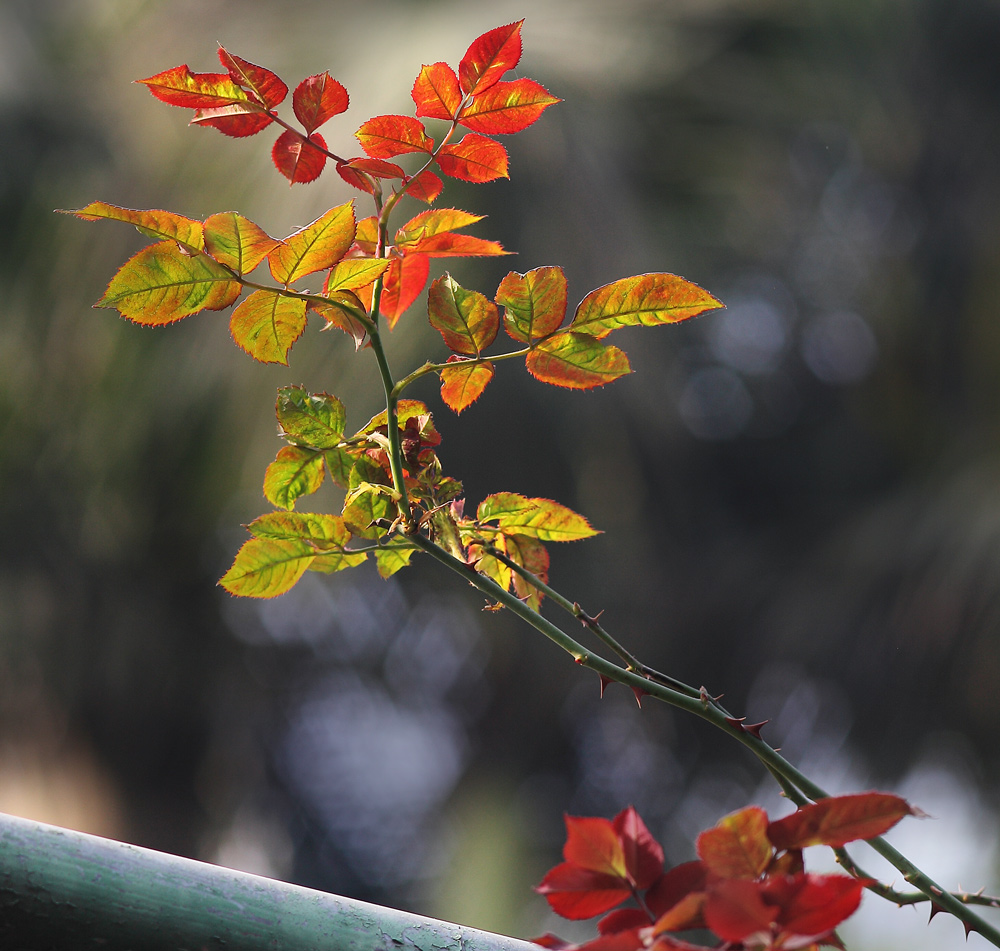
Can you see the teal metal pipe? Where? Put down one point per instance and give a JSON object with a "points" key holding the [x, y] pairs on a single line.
{"points": [[67, 891]]}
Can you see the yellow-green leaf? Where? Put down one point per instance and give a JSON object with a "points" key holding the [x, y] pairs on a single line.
{"points": [[577, 361], [311, 420], [534, 303], [353, 273], [265, 567], [467, 320], [295, 472], [266, 325], [315, 247], [543, 519], [390, 560], [236, 241], [153, 223], [646, 299], [162, 284], [321, 530]]}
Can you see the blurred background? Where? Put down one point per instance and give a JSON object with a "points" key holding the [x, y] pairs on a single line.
{"points": [[799, 494]]}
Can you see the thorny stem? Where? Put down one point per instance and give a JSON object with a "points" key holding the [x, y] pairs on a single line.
{"points": [[792, 780]]}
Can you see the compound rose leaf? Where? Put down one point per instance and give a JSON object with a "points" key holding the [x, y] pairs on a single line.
{"points": [[646, 299], [436, 92], [577, 361], [178, 86], [839, 820], [386, 136], [261, 83], [737, 846], [463, 382], [474, 159], [318, 99], [265, 567], [534, 303], [153, 223], [467, 320], [299, 159], [315, 247], [162, 284], [310, 420], [295, 472], [507, 107], [266, 324], [489, 56], [236, 241]]}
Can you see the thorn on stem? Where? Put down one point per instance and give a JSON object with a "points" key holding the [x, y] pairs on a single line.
{"points": [[754, 728], [639, 694], [604, 682], [736, 723]]}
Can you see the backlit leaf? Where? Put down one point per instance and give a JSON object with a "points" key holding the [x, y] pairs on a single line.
{"points": [[339, 463], [734, 909], [266, 325], [643, 854], [299, 160], [592, 843], [425, 187], [463, 382], [178, 86], [489, 57], [295, 472], [353, 273], [390, 560], [339, 312], [436, 92], [507, 107], [449, 245], [315, 247], [534, 303], [265, 568], [264, 85], [532, 555], [317, 99], [813, 905], [737, 846], [331, 561], [311, 420], [386, 136], [432, 222], [366, 237], [577, 361], [543, 519], [839, 820], [405, 410], [320, 530], [474, 159], [404, 280], [365, 505], [646, 299], [162, 284], [467, 320], [236, 241], [237, 120], [673, 886], [579, 893], [153, 223]]}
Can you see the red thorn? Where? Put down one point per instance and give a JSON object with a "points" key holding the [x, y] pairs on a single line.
{"points": [[968, 929], [754, 728], [639, 694], [736, 722], [604, 682], [936, 909]]}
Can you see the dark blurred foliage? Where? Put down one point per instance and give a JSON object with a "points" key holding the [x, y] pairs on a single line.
{"points": [[798, 494]]}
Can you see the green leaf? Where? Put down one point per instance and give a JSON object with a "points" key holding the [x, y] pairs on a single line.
{"points": [[236, 241], [534, 303], [320, 530], [265, 568], [466, 320], [266, 325], [577, 361], [312, 420], [390, 560], [339, 462], [315, 247], [405, 410], [365, 504], [162, 284], [329, 562], [646, 299], [353, 273], [295, 472], [153, 223], [543, 519]]}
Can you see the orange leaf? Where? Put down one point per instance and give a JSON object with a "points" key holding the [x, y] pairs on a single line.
{"points": [[646, 299], [531, 554], [467, 320], [507, 107], [386, 136], [576, 361], [534, 303], [432, 222], [266, 87], [839, 820], [153, 223], [318, 99], [178, 86], [462, 383], [239, 119], [298, 159], [425, 187], [489, 56], [474, 159], [448, 245], [404, 280], [236, 241], [737, 846], [315, 247], [436, 92], [266, 325], [341, 317]]}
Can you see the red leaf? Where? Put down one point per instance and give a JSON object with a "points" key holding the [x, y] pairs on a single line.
{"points": [[592, 843], [489, 57], [463, 382], [839, 820], [687, 913], [359, 172], [425, 187], [672, 886], [266, 87], [237, 120], [576, 361], [386, 136], [178, 86], [534, 303], [734, 909], [624, 919], [506, 108], [298, 159], [737, 847], [405, 279], [474, 159], [579, 893], [436, 92], [813, 905], [318, 99], [643, 854]]}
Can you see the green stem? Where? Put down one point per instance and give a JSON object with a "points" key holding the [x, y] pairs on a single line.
{"points": [[437, 367]]}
